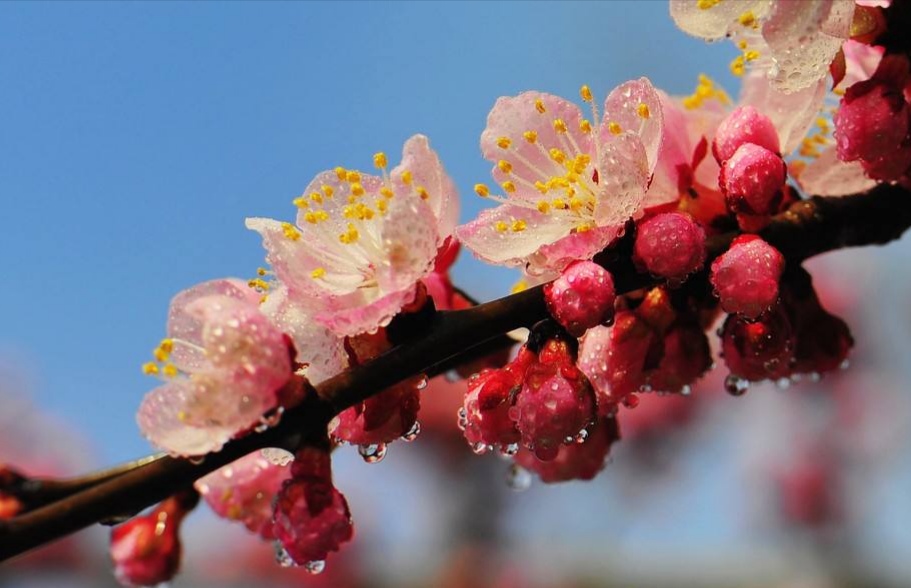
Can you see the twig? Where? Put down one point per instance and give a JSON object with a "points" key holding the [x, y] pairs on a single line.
{"points": [[808, 228]]}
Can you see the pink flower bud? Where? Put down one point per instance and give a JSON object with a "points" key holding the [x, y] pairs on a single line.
{"points": [[871, 123], [581, 460], [311, 517], [556, 401], [744, 125], [146, 549], [582, 297], [670, 245], [485, 414], [758, 350], [752, 180], [745, 277]]}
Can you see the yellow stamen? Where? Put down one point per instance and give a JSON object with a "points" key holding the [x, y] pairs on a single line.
{"points": [[327, 190], [519, 286], [508, 187], [585, 126], [301, 202], [543, 206], [747, 19], [353, 177], [357, 189], [379, 160], [504, 142], [642, 110], [150, 368], [557, 155], [318, 273], [539, 106], [422, 192], [559, 125], [386, 192], [586, 93], [542, 188], [530, 136], [316, 197], [169, 370], [482, 190], [518, 226], [261, 271], [407, 177], [504, 166], [291, 231], [341, 173], [737, 66], [706, 4], [614, 128], [500, 227]]}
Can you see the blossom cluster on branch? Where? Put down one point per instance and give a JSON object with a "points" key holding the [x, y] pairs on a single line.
{"points": [[645, 177]]}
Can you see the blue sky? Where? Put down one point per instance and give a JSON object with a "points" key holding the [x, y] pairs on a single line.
{"points": [[135, 138]]}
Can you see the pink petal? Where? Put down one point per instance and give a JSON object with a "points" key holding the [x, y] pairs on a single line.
{"points": [[714, 22], [187, 326], [511, 117], [556, 256], [320, 349], [828, 176], [674, 156], [861, 61], [159, 422], [636, 107], [804, 37], [792, 114], [409, 240], [366, 317], [427, 171], [623, 180], [512, 247]]}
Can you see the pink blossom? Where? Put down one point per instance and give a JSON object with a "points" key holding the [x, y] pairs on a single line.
{"points": [[243, 491], [570, 183], [222, 362], [361, 242], [793, 42]]}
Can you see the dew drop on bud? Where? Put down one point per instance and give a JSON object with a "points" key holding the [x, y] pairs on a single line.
{"points": [[510, 450], [686, 390], [272, 418], [261, 427], [372, 453], [783, 383], [197, 460], [480, 448], [277, 456], [413, 432], [735, 385], [282, 557], [581, 436], [518, 478], [315, 567], [422, 383], [844, 364], [452, 376]]}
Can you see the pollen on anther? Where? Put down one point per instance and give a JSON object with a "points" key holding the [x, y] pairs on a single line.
{"points": [[643, 111], [379, 160], [508, 187], [327, 190], [539, 106], [291, 231], [301, 202], [407, 178], [482, 190], [530, 136], [422, 193], [543, 206], [150, 368], [504, 142], [357, 189], [500, 227], [169, 370], [559, 125], [585, 126], [504, 166], [341, 173], [557, 155], [586, 93], [353, 177], [386, 192], [747, 19], [519, 226], [318, 273], [614, 128]]}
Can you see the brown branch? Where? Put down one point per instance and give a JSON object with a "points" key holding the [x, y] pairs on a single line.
{"points": [[808, 228]]}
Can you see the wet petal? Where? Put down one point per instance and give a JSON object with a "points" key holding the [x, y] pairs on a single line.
{"points": [[828, 176], [634, 108], [714, 22], [792, 114], [427, 172], [161, 420], [623, 180]]}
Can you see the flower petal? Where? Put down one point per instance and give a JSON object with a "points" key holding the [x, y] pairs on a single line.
{"points": [[791, 113], [409, 244], [347, 321], [427, 172], [622, 181], [522, 131], [634, 107], [492, 238], [575, 246], [804, 37], [829, 176], [714, 22], [160, 421]]}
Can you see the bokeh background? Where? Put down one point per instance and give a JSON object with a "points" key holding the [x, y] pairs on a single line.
{"points": [[134, 140]]}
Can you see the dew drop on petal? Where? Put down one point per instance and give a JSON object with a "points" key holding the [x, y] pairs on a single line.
{"points": [[315, 567], [421, 383], [372, 453], [735, 385], [413, 432], [518, 478], [282, 557]]}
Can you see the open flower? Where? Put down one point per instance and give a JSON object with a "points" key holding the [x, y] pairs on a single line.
{"points": [[222, 361], [361, 242], [793, 42], [571, 183]]}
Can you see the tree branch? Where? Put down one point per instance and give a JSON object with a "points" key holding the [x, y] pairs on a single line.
{"points": [[808, 228]]}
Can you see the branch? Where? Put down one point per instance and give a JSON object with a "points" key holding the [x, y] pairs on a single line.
{"points": [[808, 228]]}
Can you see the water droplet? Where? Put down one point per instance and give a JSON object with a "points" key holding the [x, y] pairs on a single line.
{"points": [[844, 365], [315, 567], [480, 448], [421, 384], [197, 460], [452, 376], [273, 417], [581, 436], [413, 432], [686, 390], [282, 557], [518, 478], [735, 385], [509, 450], [815, 376], [372, 453], [277, 456], [783, 383]]}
